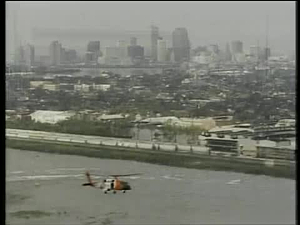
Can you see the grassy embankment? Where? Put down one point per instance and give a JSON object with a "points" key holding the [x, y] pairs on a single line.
{"points": [[156, 157], [76, 126]]}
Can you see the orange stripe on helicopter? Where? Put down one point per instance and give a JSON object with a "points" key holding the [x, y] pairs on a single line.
{"points": [[118, 185]]}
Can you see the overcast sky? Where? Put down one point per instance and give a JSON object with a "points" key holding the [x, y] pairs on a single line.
{"points": [[207, 22]]}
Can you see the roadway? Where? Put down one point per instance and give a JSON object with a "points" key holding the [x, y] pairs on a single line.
{"points": [[98, 140]]}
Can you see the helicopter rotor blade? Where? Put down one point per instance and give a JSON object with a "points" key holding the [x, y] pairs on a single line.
{"points": [[124, 175]]}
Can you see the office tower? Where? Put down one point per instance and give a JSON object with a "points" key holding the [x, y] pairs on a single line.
{"points": [[170, 55], [161, 51], [214, 48], [55, 53], [19, 56], [266, 53], [135, 51], [63, 55], [133, 41], [70, 56], [122, 45], [154, 38], [93, 46], [237, 47], [181, 45], [228, 55], [93, 52], [254, 50], [29, 55]]}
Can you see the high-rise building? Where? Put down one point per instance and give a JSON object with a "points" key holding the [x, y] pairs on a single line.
{"points": [[29, 55], [254, 50], [237, 47], [181, 45], [63, 55], [70, 56], [133, 41], [228, 55], [135, 51], [122, 45], [93, 46], [93, 52], [161, 51], [154, 38], [170, 55], [266, 53], [55, 50], [19, 58], [214, 48]]}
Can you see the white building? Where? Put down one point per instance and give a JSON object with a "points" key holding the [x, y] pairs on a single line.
{"points": [[55, 52], [101, 87], [286, 123], [35, 84], [82, 87], [51, 87], [44, 116]]}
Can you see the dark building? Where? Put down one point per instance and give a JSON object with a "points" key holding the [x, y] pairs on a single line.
{"points": [[93, 46], [266, 53], [63, 55], [237, 47], [154, 38], [93, 52], [135, 51], [90, 57], [181, 45]]}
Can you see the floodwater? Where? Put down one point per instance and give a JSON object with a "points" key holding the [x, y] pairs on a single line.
{"points": [[44, 188]]}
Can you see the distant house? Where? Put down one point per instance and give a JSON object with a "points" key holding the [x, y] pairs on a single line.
{"points": [[44, 116], [112, 117]]}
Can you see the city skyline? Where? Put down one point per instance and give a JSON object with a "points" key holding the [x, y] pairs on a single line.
{"points": [[206, 23]]}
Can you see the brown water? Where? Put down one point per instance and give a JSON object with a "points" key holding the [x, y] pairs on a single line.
{"points": [[38, 194]]}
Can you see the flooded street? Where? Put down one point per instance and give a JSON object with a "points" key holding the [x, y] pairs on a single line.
{"points": [[46, 188]]}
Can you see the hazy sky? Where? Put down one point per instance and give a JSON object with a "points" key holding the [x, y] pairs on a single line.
{"points": [[207, 22]]}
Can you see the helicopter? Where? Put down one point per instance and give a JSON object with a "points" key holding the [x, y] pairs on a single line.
{"points": [[112, 183]]}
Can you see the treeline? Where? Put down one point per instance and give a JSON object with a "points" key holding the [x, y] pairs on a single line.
{"points": [[77, 126]]}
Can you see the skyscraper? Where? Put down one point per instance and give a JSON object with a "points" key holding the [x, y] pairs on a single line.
{"points": [[161, 51], [29, 55], [228, 55], [70, 55], [237, 47], [154, 38], [135, 51], [19, 56], [55, 53], [93, 52], [255, 51], [123, 48], [133, 41], [181, 45], [93, 46]]}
